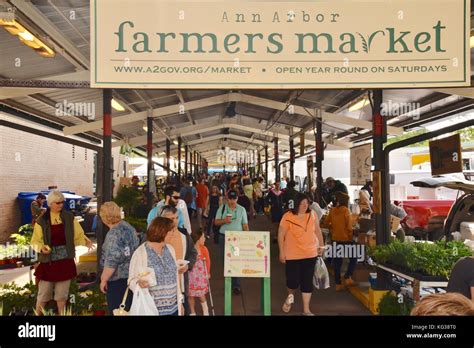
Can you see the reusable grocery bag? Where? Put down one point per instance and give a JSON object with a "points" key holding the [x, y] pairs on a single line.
{"points": [[142, 303], [321, 275]]}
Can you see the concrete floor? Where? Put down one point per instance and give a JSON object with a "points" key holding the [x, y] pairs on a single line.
{"points": [[323, 302]]}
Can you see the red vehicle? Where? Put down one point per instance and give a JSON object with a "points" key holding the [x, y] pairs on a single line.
{"points": [[433, 219], [425, 217]]}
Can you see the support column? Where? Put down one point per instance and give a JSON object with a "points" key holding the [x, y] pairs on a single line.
{"points": [[199, 165], [259, 164], [382, 216], [105, 193], [149, 154], [107, 144], [179, 158], [168, 155], [266, 164], [275, 157], [186, 162], [292, 159], [195, 163], [319, 156]]}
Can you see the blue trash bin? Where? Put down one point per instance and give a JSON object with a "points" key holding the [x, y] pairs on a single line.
{"points": [[72, 202], [24, 201]]}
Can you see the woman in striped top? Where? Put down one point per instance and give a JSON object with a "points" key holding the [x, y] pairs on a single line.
{"points": [[154, 267]]}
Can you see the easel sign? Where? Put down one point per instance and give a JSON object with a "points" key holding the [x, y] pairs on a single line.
{"points": [[247, 255]]}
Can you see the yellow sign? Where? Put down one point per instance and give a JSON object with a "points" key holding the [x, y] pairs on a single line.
{"points": [[271, 44], [247, 254]]}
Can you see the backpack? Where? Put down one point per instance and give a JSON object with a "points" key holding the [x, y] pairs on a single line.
{"points": [[188, 197]]}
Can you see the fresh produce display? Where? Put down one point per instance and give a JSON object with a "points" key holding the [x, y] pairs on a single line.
{"points": [[429, 259]]}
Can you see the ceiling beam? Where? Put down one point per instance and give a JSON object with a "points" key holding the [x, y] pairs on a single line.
{"points": [[224, 98], [227, 123], [158, 112], [463, 92]]}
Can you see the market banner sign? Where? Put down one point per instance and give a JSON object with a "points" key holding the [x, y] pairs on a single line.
{"points": [[361, 162], [446, 155], [272, 44], [247, 254]]}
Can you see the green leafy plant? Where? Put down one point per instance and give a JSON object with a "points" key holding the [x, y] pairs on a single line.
{"points": [[17, 299], [432, 259], [128, 198], [139, 224], [392, 304], [21, 300], [23, 237]]}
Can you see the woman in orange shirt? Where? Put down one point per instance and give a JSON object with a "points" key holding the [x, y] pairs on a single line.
{"points": [[300, 242]]}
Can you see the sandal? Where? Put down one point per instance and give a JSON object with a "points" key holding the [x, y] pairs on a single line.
{"points": [[308, 314], [288, 303]]}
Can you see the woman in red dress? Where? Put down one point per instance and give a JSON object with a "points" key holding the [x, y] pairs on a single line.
{"points": [[55, 236]]}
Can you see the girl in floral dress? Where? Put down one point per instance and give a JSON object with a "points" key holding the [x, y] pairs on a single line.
{"points": [[200, 274]]}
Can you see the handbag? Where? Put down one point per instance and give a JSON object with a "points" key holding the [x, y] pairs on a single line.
{"points": [[321, 275], [121, 310]]}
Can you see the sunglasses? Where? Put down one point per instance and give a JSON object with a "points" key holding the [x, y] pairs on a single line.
{"points": [[175, 197], [59, 203]]}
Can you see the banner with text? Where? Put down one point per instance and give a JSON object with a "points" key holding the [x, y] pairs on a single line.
{"points": [[273, 44], [361, 162]]}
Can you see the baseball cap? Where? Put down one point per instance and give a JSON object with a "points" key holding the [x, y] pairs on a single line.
{"points": [[232, 194]]}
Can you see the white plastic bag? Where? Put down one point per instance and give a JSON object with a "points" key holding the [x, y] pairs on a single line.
{"points": [[143, 303], [321, 275]]}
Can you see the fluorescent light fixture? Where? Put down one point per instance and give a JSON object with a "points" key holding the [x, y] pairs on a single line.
{"points": [[472, 40], [175, 142], [359, 105], [26, 35], [117, 106], [10, 24]]}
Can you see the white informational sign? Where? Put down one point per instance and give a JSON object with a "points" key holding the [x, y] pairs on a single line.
{"points": [[247, 254], [361, 162], [232, 44]]}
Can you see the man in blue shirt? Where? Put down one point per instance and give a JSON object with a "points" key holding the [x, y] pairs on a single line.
{"points": [[231, 217], [172, 198]]}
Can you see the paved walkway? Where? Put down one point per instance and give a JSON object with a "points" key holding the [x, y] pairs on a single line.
{"points": [[323, 302]]}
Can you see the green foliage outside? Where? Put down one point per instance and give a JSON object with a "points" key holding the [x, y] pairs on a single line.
{"points": [[467, 135]]}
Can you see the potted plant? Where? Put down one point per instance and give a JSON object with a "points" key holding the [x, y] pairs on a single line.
{"points": [[18, 300]]}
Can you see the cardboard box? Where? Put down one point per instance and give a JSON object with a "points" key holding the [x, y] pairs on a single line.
{"points": [[374, 299], [371, 240], [361, 273], [362, 238], [394, 223]]}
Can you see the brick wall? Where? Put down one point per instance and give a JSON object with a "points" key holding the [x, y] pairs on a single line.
{"points": [[31, 163]]}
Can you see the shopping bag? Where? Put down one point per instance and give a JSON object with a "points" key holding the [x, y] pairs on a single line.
{"points": [[321, 275], [142, 303]]}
